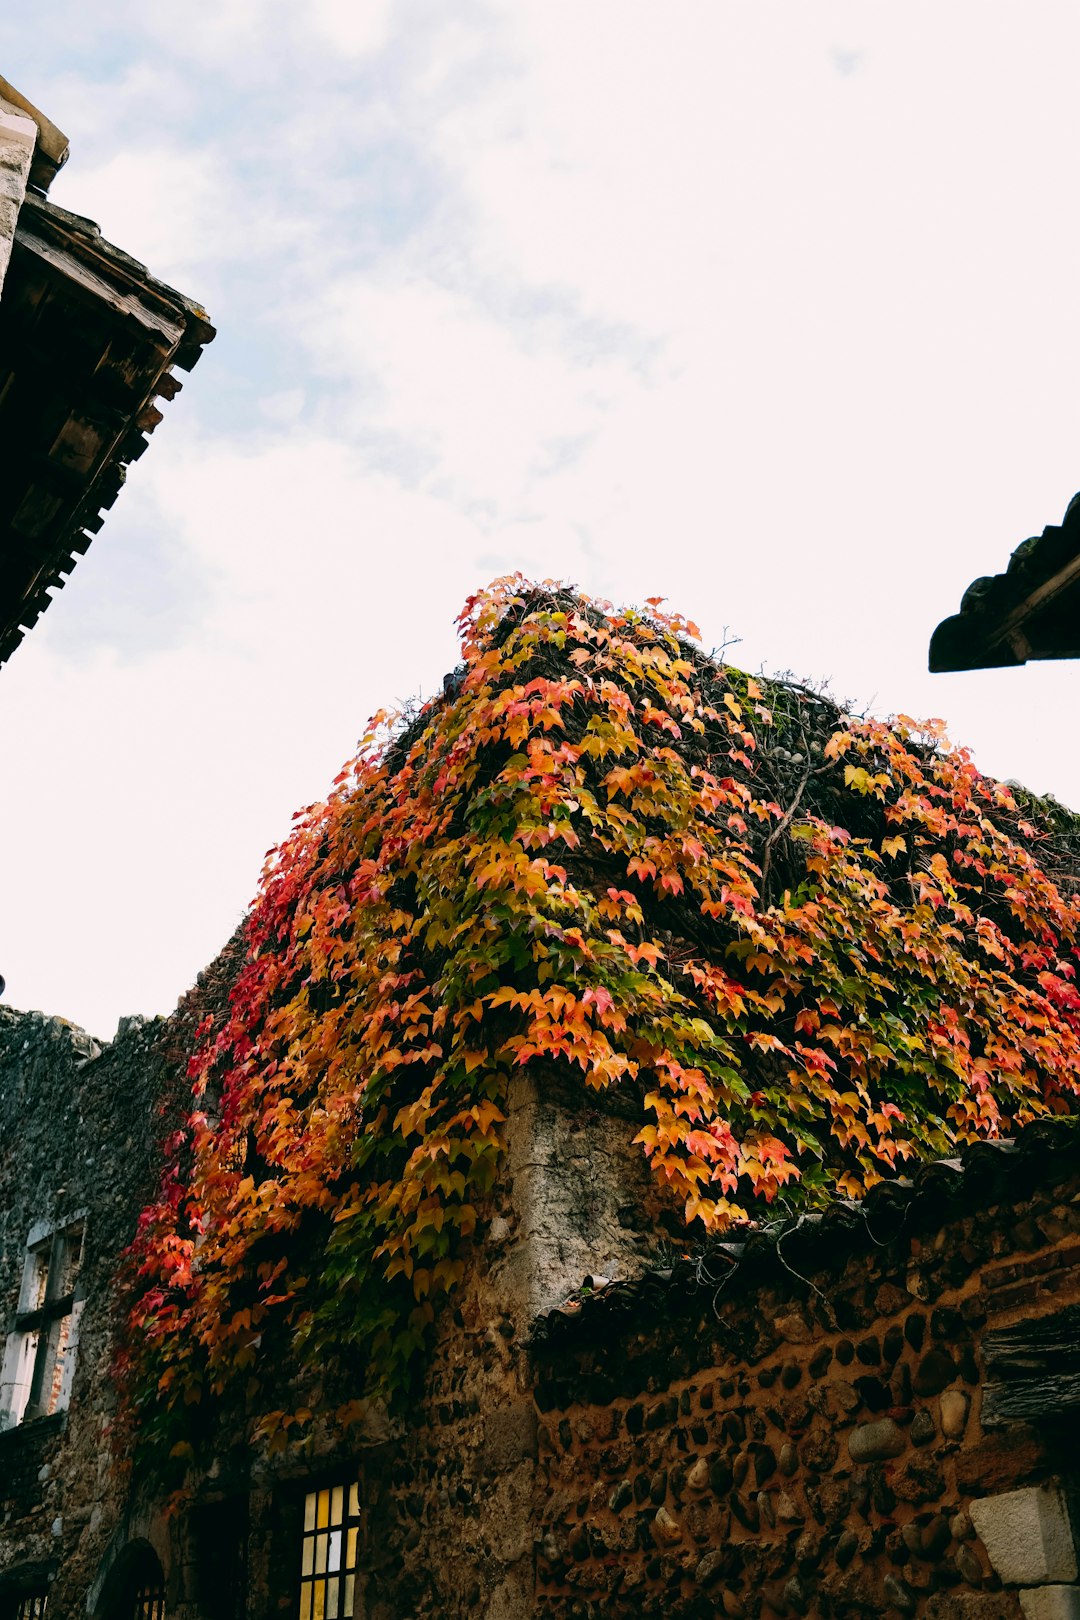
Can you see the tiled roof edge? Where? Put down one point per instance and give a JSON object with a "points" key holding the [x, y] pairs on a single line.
{"points": [[755, 1255], [982, 635]]}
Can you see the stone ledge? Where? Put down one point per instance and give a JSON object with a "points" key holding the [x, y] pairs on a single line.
{"points": [[38, 1431], [1027, 1536], [1051, 1603]]}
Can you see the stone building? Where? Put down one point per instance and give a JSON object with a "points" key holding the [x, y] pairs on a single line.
{"points": [[871, 1412], [868, 1409]]}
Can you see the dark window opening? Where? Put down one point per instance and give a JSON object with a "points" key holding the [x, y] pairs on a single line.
{"points": [[31, 1606], [220, 1538], [149, 1601], [135, 1589]]}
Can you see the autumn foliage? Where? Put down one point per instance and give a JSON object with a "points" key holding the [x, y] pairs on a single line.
{"points": [[810, 947]]}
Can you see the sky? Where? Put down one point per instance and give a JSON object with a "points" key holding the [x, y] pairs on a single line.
{"points": [[766, 309]]}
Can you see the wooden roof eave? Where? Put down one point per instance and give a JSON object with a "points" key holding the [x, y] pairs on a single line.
{"points": [[75, 467], [1031, 612]]}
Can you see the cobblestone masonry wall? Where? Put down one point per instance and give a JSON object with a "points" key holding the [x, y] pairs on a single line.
{"points": [[449, 1491], [452, 1530], [80, 1128], [78, 1132], [802, 1450]]}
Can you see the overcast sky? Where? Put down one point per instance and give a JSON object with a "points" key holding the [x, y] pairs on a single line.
{"points": [[770, 309]]}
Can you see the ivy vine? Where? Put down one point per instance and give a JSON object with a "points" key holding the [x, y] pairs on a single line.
{"points": [[810, 946]]}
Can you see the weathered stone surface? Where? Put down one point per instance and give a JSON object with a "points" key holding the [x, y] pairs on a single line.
{"points": [[509, 1435], [1027, 1535], [915, 1329], [1051, 1603], [793, 1327], [899, 1594], [711, 1567], [936, 1535], [934, 1372], [665, 1528], [873, 1442], [796, 1595], [921, 1479], [922, 1428], [571, 1227], [911, 1536], [18, 135], [788, 1510], [973, 1606], [967, 1562], [1000, 1461], [954, 1405]]}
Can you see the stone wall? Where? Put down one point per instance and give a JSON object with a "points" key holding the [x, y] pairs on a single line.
{"points": [[451, 1500], [448, 1488], [18, 136], [802, 1435], [81, 1124], [798, 1425]]}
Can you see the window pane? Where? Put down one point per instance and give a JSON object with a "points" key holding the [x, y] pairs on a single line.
{"points": [[50, 1398], [328, 1553], [36, 1279], [72, 1255]]}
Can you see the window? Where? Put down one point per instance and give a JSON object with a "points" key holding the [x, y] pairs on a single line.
{"points": [[328, 1554], [31, 1606], [39, 1356], [135, 1587], [148, 1599]]}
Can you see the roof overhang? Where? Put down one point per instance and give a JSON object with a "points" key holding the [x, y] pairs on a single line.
{"points": [[1032, 611], [88, 343]]}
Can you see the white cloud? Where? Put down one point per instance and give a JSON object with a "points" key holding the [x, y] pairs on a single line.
{"points": [[171, 207], [355, 27], [486, 404]]}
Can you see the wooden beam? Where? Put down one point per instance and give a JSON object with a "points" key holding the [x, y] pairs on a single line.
{"points": [[127, 305], [1032, 1369]]}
